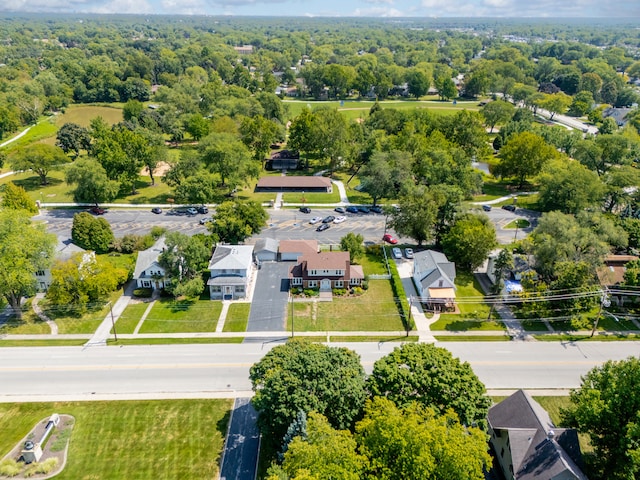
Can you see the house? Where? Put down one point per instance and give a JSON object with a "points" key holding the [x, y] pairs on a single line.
{"points": [[148, 272], [618, 114], [325, 270], [433, 276], [266, 250], [294, 184], [283, 160], [291, 250], [528, 446], [65, 250], [244, 49], [611, 274], [231, 267]]}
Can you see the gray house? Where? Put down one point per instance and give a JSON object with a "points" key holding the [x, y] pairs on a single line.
{"points": [[148, 272], [231, 267], [528, 446], [433, 276], [266, 250]]}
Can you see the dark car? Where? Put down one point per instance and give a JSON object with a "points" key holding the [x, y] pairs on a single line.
{"points": [[352, 209], [486, 208], [511, 208], [339, 210], [322, 227], [203, 209], [363, 209], [156, 210], [376, 209], [328, 219], [305, 209], [97, 210]]}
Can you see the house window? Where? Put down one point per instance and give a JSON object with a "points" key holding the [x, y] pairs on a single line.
{"points": [[354, 281], [441, 283], [40, 273], [240, 289], [146, 283], [312, 283], [339, 283], [296, 281], [215, 288]]}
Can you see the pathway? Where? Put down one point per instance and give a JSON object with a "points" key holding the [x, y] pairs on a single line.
{"points": [[104, 330], [420, 320], [344, 199], [242, 445], [35, 304], [144, 317], [20, 135]]}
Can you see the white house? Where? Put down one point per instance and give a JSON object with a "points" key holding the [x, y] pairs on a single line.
{"points": [[148, 272], [65, 250], [231, 267], [433, 277]]}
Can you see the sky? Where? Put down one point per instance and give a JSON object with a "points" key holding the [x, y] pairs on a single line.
{"points": [[338, 8]]}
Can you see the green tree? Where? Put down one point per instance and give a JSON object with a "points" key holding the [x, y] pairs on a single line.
{"points": [[25, 248], [72, 138], [16, 198], [91, 233], [197, 126], [416, 216], [496, 112], [225, 155], [418, 82], [39, 157], [235, 221], [258, 134], [446, 88], [132, 110], [301, 375], [417, 442], [184, 258], [9, 121], [325, 453], [353, 243], [524, 155], [582, 104], [555, 103], [469, 241], [92, 184], [632, 273], [569, 187], [606, 407], [432, 377]]}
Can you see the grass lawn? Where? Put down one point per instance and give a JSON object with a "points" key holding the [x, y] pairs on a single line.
{"points": [[375, 310], [472, 338], [131, 440], [402, 339], [126, 261], [472, 316], [83, 114], [29, 324], [237, 317], [312, 197], [172, 341], [86, 323], [42, 343], [519, 223], [169, 316], [130, 317], [492, 189], [372, 264]]}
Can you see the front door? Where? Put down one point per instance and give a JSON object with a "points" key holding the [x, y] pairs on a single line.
{"points": [[228, 292], [325, 284]]}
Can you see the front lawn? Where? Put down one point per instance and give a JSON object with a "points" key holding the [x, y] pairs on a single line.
{"points": [[29, 324], [85, 323], [183, 316], [130, 318], [312, 197], [133, 440], [237, 317]]}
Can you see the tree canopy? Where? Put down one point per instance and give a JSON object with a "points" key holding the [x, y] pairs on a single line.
{"points": [[469, 241], [91, 233]]}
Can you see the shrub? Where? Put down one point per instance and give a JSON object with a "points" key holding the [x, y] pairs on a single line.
{"points": [[311, 292], [374, 250], [143, 292], [357, 291], [132, 243], [339, 291], [41, 468], [9, 467], [365, 284]]}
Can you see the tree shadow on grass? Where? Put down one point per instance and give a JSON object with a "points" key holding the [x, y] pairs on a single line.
{"points": [[32, 183], [181, 305]]}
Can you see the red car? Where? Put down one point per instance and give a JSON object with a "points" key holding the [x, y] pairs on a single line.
{"points": [[97, 211], [387, 237]]}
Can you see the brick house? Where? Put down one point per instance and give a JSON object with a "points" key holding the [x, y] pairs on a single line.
{"points": [[325, 270]]}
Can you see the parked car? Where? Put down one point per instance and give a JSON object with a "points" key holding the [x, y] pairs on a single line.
{"points": [[191, 211], [352, 209], [511, 208], [340, 219], [486, 208], [387, 237], [363, 209], [328, 219], [203, 209], [305, 210], [376, 209], [204, 220], [340, 210], [156, 210], [322, 227], [408, 252], [97, 210], [396, 252], [315, 220]]}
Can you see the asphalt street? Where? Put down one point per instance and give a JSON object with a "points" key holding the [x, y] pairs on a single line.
{"points": [[220, 370], [240, 458]]}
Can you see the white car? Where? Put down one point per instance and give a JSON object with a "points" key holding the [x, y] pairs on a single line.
{"points": [[339, 219], [315, 220], [192, 211], [396, 252]]}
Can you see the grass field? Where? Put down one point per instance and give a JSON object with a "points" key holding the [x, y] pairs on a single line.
{"points": [[168, 316], [375, 310], [42, 343], [136, 440], [86, 323], [130, 318], [237, 317], [29, 324], [173, 341], [312, 197], [83, 114]]}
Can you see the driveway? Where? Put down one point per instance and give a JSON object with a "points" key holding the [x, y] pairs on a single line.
{"points": [[270, 296], [240, 458]]}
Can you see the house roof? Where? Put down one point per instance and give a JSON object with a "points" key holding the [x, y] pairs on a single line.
{"points": [[294, 181], [539, 450], [619, 114], [148, 257], [67, 249], [325, 260], [612, 272], [299, 246], [266, 245], [231, 257], [430, 266]]}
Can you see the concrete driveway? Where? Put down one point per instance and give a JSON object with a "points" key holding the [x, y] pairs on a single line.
{"points": [[270, 296]]}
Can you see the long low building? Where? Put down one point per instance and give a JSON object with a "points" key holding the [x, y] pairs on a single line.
{"points": [[294, 184]]}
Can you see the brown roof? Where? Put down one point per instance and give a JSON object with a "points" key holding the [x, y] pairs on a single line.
{"points": [[305, 247], [356, 272], [612, 272], [326, 260], [294, 181]]}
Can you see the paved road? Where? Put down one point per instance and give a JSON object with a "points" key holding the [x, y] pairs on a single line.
{"points": [[501, 218], [270, 296], [240, 458], [217, 370]]}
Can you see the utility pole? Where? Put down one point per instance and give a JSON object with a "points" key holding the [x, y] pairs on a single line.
{"points": [[291, 299], [409, 320], [604, 302], [113, 322]]}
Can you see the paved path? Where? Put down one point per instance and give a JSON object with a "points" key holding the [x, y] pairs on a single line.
{"points": [[103, 331], [514, 327], [35, 304], [417, 314], [144, 317], [240, 456], [20, 135], [223, 315]]}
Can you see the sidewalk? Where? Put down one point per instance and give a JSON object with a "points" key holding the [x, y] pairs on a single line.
{"points": [[103, 331]]}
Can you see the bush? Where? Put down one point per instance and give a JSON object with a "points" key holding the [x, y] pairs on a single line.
{"points": [[41, 468], [339, 291], [357, 291], [132, 243], [311, 292], [374, 250], [143, 292], [9, 467], [365, 284]]}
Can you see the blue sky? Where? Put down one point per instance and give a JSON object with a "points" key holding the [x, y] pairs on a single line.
{"points": [[344, 8]]}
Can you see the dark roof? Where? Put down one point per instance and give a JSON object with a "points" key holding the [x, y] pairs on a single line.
{"points": [[539, 450], [294, 182], [282, 154], [266, 244]]}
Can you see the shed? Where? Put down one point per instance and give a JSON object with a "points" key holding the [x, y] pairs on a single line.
{"points": [[266, 250]]}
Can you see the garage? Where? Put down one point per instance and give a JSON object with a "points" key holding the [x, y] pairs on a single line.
{"points": [[266, 250]]}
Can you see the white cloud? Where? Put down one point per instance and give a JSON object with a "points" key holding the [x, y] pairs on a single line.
{"points": [[377, 12], [377, 2], [124, 6]]}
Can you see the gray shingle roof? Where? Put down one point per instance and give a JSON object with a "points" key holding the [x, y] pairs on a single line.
{"points": [[431, 266], [231, 257], [148, 257], [266, 245]]}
